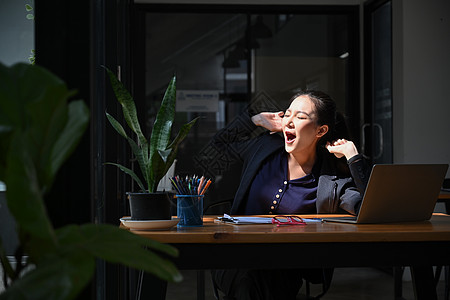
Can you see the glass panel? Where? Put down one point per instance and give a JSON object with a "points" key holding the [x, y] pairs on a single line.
{"points": [[233, 60], [17, 31], [197, 52], [305, 51], [382, 85]]}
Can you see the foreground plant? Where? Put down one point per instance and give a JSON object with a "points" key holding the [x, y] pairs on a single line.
{"points": [[39, 129]]}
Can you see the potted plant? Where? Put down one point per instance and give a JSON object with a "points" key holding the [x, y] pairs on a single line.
{"points": [[154, 155], [39, 129]]}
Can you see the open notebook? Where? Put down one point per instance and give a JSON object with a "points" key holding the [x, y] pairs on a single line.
{"points": [[399, 193]]}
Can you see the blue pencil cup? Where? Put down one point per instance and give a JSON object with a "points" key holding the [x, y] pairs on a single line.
{"points": [[190, 210]]}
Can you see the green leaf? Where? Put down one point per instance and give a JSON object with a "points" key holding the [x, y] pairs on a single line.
{"points": [[30, 17], [69, 138], [117, 245], [131, 173], [141, 157], [156, 171], [128, 106], [23, 194], [116, 125], [138, 151], [164, 154], [162, 128], [160, 136], [184, 131], [34, 102], [28, 7], [59, 277]]}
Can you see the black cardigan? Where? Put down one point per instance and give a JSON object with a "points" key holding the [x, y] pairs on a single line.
{"points": [[340, 187]]}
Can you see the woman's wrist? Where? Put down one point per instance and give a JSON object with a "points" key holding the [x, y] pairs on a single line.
{"points": [[256, 119], [354, 158], [350, 151]]}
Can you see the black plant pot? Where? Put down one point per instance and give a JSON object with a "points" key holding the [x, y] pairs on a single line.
{"points": [[150, 206]]}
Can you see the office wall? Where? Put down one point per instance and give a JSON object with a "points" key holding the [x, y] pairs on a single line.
{"points": [[16, 36], [421, 56], [16, 32]]}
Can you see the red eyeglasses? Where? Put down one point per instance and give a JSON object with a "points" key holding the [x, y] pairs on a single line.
{"points": [[288, 220]]}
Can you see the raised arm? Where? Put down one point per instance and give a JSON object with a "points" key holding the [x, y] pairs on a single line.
{"points": [[342, 147], [269, 120]]}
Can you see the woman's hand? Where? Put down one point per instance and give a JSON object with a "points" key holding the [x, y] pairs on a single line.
{"points": [[268, 120], [342, 148]]}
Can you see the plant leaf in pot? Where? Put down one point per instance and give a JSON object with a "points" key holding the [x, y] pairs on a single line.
{"points": [[154, 155]]}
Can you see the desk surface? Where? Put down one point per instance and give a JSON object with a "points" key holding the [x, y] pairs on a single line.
{"points": [[444, 195], [435, 230], [220, 246]]}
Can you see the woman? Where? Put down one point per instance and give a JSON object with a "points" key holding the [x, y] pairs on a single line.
{"points": [[299, 172]]}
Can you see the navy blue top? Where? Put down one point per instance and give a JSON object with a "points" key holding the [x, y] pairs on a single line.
{"points": [[272, 193]]}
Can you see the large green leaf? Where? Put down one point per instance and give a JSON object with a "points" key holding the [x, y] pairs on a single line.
{"points": [[160, 136], [9, 108], [63, 273], [33, 101], [21, 85], [43, 132], [70, 136], [59, 277], [38, 131], [23, 194], [138, 151], [162, 127], [118, 245], [128, 106], [47, 118]]}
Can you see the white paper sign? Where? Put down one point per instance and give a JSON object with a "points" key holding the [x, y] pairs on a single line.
{"points": [[197, 101]]}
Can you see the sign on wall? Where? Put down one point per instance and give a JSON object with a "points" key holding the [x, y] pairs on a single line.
{"points": [[197, 100]]}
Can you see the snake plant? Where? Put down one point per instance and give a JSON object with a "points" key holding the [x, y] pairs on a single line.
{"points": [[154, 155]]}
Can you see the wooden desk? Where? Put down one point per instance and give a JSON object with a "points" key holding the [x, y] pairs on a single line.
{"points": [[444, 196], [418, 245]]}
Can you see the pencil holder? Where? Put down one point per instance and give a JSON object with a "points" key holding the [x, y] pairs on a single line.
{"points": [[190, 210]]}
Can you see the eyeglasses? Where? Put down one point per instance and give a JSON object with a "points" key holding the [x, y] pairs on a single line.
{"points": [[288, 220]]}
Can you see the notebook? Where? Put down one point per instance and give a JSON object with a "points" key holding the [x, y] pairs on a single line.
{"points": [[399, 193]]}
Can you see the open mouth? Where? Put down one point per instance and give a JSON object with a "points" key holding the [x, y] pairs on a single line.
{"points": [[290, 137]]}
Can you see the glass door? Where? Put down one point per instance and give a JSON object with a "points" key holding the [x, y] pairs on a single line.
{"points": [[377, 131]]}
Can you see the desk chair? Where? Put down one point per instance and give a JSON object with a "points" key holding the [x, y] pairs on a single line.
{"points": [[326, 282], [327, 273], [225, 206]]}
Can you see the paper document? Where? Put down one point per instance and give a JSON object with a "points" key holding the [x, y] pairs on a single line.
{"points": [[256, 220], [245, 220]]}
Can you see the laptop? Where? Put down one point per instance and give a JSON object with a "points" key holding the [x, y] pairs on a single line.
{"points": [[399, 193]]}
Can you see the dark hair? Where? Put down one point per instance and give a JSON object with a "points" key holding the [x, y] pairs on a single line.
{"points": [[325, 109]]}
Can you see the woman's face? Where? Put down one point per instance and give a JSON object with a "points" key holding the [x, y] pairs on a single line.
{"points": [[301, 132]]}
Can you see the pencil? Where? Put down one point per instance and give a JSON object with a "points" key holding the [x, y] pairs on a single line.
{"points": [[206, 187], [202, 179]]}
